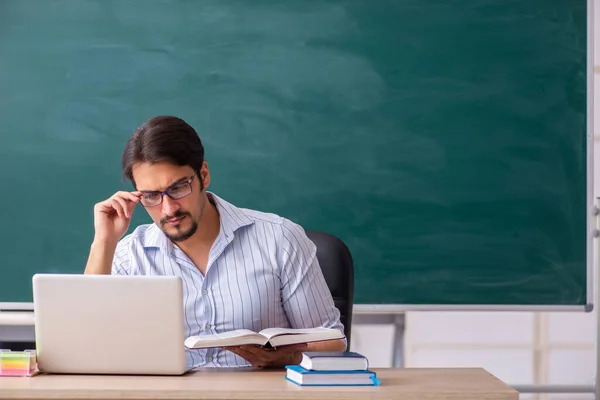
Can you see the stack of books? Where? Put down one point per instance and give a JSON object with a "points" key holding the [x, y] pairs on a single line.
{"points": [[337, 368]]}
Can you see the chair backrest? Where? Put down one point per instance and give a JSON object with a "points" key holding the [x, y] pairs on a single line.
{"points": [[338, 268]]}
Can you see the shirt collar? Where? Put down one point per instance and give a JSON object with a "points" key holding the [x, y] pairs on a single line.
{"points": [[231, 217]]}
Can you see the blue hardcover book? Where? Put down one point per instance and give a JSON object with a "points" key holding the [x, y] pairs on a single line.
{"points": [[303, 377], [334, 361]]}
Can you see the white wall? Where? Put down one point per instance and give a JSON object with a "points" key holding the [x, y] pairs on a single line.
{"points": [[519, 348]]}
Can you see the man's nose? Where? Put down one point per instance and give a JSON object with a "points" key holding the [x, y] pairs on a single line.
{"points": [[169, 207]]}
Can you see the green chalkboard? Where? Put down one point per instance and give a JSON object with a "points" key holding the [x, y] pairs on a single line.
{"points": [[443, 141]]}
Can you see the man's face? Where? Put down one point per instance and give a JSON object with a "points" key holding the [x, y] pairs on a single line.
{"points": [[179, 217]]}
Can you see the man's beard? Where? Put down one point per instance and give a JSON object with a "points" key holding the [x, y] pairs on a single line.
{"points": [[180, 236]]}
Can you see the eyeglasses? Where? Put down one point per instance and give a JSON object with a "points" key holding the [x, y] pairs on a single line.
{"points": [[175, 192]]}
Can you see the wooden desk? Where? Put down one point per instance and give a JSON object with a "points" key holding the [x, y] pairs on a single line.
{"points": [[405, 384]]}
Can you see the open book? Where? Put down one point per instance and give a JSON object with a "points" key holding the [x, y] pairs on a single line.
{"points": [[271, 337]]}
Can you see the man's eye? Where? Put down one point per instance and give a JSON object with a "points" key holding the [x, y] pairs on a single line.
{"points": [[149, 196], [178, 188]]}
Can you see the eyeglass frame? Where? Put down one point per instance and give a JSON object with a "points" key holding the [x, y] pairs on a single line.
{"points": [[165, 192]]}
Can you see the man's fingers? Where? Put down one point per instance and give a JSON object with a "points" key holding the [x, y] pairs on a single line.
{"points": [[121, 203], [264, 356], [120, 206], [133, 196], [274, 353], [239, 350], [293, 348], [252, 349], [246, 355], [128, 196], [261, 357], [127, 201], [130, 207]]}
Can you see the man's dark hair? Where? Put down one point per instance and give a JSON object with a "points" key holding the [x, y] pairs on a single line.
{"points": [[163, 138]]}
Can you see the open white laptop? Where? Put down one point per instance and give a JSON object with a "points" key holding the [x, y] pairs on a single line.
{"points": [[107, 324]]}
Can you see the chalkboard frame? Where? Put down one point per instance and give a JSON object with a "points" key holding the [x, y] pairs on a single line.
{"points": [[591, 268]]}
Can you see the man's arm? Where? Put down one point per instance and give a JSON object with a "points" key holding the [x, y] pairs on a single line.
{"points": [[295, 352], [111, 220], [101, 258], [326, 345], [306, 297], [306, 300]]}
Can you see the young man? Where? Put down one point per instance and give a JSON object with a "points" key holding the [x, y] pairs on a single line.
{"points": [[241, 269]]}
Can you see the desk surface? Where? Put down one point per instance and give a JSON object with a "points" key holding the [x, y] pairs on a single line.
{"points": [[405, 384]]}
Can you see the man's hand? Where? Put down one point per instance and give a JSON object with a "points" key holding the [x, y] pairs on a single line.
{"points": [[259, 356], [111, 220], [113, 216]]}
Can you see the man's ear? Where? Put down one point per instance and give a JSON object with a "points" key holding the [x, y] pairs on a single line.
{"points": [[205, 175]]}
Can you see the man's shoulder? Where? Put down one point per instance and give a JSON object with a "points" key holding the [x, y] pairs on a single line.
{"points": [[262, 217], [282, 227], [266, 218]]}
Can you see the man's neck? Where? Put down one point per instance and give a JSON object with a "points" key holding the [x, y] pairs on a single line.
{"points": [[208, 230]]}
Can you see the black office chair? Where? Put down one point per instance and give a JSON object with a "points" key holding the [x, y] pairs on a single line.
{"points": [[338, 268]]}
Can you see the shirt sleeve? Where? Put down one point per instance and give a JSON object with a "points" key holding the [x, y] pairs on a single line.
{"points": [[121, 262], [307, 300]]}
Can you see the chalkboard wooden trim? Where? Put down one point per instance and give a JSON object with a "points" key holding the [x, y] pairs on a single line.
{"points": [[15, 306], [591, 203]]}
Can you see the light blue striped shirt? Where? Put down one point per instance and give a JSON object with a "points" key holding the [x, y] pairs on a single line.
{"points": [[262, 272]]}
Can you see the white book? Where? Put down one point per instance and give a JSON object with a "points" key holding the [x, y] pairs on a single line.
{"points": [[271, 337], [334, 361]]}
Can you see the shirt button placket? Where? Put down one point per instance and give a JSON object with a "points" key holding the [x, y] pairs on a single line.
{"points": [[207, 310]]}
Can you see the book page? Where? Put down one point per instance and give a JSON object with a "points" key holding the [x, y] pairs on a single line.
{"points": [[282, 337], [231, 338], [272, 332], [228, 335]]}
